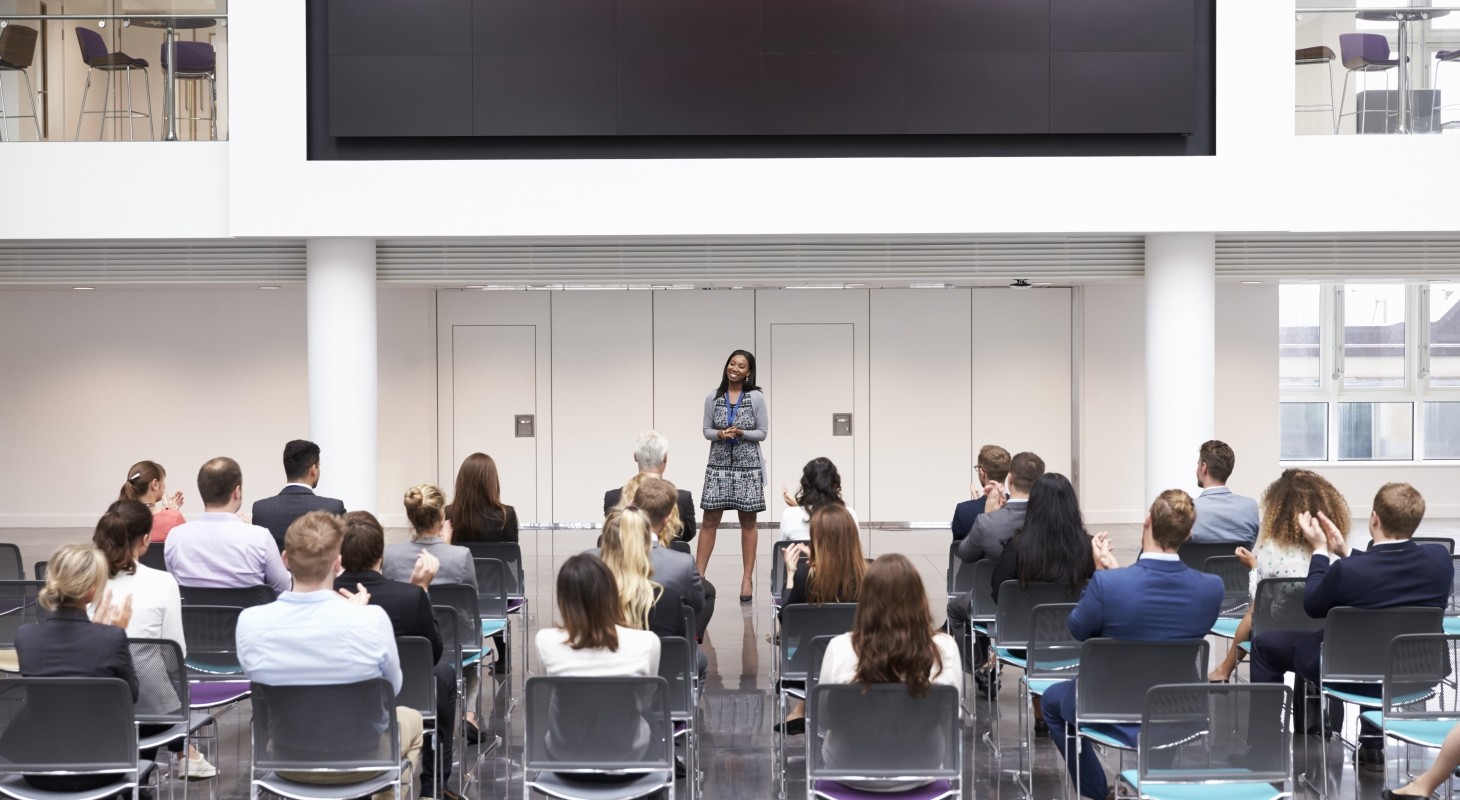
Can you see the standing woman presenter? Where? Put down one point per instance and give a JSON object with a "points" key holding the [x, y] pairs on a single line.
{"points": [[737, 420]]}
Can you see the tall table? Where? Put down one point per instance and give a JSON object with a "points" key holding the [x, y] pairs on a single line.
{"points": [[169, 93], [1403, 16]]}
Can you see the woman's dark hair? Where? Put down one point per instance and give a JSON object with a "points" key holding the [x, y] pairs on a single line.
{"points": [[478, 499], [750, 385], [117, 534], [821, 485], [892, 633], [1053, 546], [588, 602], [139, 477]]}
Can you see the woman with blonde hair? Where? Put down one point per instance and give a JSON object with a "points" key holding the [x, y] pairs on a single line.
{"points": [[147, 483], [430, 533], [1281, 550], [624, 549]]}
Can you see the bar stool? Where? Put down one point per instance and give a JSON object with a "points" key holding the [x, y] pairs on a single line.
{"points": [[197, 61], [1308, 56], [17, 51], [94, 53], [1364, 52]]}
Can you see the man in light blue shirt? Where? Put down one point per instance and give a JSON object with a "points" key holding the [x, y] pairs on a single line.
{"points": [[313, 636], [1221, 516]]}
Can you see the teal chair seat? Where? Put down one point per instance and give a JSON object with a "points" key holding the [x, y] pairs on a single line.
{"points": [[1226, 627], [1423, 732], [1209, 791]]}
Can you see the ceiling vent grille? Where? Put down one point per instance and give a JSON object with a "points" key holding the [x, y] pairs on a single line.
{"points": [[152, 261], [1338, 256]]}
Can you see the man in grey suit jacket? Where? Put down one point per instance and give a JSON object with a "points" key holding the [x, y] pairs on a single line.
{"points": [[1221, 516], [301, 469]]}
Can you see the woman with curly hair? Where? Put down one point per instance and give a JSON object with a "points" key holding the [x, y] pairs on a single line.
{"points": [[1281, 551]]}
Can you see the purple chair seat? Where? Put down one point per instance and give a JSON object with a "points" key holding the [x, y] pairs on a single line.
{"points": [[1447, 55], [192, 57], [94, 53], [1365, 52], [840, 791], [207, 694]]}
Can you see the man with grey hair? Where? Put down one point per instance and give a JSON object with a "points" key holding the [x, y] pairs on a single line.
{"points": [[651, 453]]}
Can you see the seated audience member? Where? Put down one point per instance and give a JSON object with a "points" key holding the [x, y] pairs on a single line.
{"points": [[1282, 551], [69, 644], [651, 453], [315, 636], [1440, 771], [675, 570], [147, 483], [218, 550], [993, 467], [122, 536], [362, 551], [1052, 547], [821, 485], [831, 570], [1156, 599], [624, 550], [892, 641], [297, 498], [1395, 571], [430, 533], [477, 513], [1221, 516]]}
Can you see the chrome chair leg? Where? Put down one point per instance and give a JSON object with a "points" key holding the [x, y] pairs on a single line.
{"points": [[105, 104], [151, 131], [81, 115]]}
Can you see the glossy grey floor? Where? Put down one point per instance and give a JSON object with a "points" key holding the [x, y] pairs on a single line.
{"points": [[738, 707]]}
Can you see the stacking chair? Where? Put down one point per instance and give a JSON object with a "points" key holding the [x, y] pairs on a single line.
{"points": [[94, 54], [1188, 749], [40, 570], [800, 624], [494, 582], [982, 613], [460, 624], [1053, 656], [1278, 606], [40, 733], [597, 726], [11, 566], [1235, 579], [330, 729], [1364, 52], [913, 740], [1443, 57], [218, 680], [1452, 609], [245, 597], [1110, 691], [197, 62], [1012, 624], [17, 51], [418, 690], [18, 606], [1443, 541], [510, 554], [448, 622], [1321, 55], [1420, 706], [1194, 554], [677, 668], [163, 697], [153, 557]]}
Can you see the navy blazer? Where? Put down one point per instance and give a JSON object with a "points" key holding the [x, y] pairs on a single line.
{"points": [[686, 510], [963, 516], [70, 645], [1152, 600], [1387, 575], [277, 513], [407, 605]]}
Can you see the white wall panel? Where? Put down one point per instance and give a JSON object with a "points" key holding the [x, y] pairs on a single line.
{"points": [[813, 367], [1247, 384], [694, 333], [602, 395], [407, 370], [918, 422], [1113, 404], [494, 368]]}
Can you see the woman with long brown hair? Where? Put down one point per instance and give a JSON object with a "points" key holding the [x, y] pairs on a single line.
{"points": [[147, 483], [1281, 550], [477, 513]]}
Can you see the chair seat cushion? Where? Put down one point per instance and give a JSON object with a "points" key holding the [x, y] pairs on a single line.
{"points": [[1423, 732], [1226, 627], [1194, 791], [1452, 624], [1010, 657], [1120, 736], [834, 790], [333, 791], [206, 694], [555, 785], [15, 786], [491, 627], [117, 61]]}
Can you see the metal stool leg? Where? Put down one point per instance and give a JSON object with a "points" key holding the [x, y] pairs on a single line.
{"points": [[4, 118], [151, 132], [1343, 98], [105, 104], [131, 110], [213, 111], [35, 106], [82, 114]]}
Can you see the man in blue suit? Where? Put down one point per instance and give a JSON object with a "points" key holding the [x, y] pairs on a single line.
{"points": [[301, 468], [1395, 571], [993, 467], [1156, 599]]}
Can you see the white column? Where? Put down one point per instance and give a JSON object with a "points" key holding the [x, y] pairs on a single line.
{"points": [[1181, 303], [342, 367]]}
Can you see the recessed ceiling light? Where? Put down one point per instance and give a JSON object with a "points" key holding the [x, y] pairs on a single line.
{"points": [[1251, 283], [83, 288], [476, 287], [268, 288]]}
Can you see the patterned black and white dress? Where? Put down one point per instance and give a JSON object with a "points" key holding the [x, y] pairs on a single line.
{"points": [[735, 476]]}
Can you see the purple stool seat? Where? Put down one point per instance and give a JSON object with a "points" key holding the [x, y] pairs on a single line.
{"points": [[192, 57], [1447, 55], [1365, 52], [206, 694], [840, 791]]}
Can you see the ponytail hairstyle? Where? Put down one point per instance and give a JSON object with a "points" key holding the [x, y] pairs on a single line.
{"points": [[118, 534], [75, 576], [139, 478], [424, 508], [625, 551]]}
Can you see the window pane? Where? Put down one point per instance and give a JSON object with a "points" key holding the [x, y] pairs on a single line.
{"points": [[1373, 336], [1303, 431], [1442, 430], [1300, 365], [1375, 431], [1444, 336]]}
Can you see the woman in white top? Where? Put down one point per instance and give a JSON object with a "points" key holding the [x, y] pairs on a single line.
{"points": [[1281, 550], [122, 535], [821, 485], [892, 641]]}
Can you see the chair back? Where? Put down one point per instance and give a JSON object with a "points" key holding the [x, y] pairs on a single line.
{"points": [[330, 728], [1016, 606], [192, 57], [418, 675], [510, 554], [153, 557], [212, 636], [778, 568], [1054, 653], [598, 725], [960, 572], [493, 581], [92, 45], [449, 624], [244, 597], [1278, 606], [1194, 554], [40, 569], [11, 567], [18, 606], [883, 732], [677, 668], [818, 655], [1416, 678], [463, 598], [1190, 732], [1453, 607], [77, 725], [803, 622], [1115, 676], [1356, 640], [983, 608], [1235, 580], [1359, 50], [17, 45], [162, 682], [1443, 541]]}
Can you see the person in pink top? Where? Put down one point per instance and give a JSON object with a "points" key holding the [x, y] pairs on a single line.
{"points": [[147, 482]]}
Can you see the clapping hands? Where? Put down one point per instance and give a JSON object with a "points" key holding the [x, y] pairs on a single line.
{"points": [[425, 569], [1321, 533], [1100, 549], [110, 612]]}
